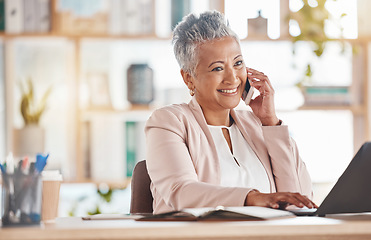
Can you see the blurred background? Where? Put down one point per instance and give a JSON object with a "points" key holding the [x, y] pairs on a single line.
{"points": [[79, 78]]}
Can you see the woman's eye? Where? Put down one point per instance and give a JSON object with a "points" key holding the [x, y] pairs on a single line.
{"points": [[217, 69], [238, 63]]}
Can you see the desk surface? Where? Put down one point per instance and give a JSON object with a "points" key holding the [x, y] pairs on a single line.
{"points": [[354, 227]]}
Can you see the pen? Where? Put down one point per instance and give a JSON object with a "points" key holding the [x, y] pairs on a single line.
{"points": [[32, 168], [25, 163], [41, 162], [3, 171], [19, 166], [10, 163]]}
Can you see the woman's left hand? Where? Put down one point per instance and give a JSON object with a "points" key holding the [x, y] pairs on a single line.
{"points": [[263, 105]]}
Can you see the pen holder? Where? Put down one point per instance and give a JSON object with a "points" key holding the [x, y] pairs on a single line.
{"points": [[21, 199]]}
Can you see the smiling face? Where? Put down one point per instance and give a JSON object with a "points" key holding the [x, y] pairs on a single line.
{"points": [[220, 75]]}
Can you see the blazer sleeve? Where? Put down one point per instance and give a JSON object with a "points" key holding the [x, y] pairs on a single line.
{"points": [[289, 171], [173, 172]]}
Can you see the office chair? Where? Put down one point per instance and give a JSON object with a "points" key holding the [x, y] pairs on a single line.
{"points": [[141, 196]]}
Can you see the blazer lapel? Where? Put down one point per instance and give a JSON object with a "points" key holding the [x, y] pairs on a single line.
{"points": [[213, 161], [249, 132]]}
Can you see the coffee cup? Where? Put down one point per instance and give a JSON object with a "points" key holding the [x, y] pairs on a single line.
{"points": [[50, 195]]}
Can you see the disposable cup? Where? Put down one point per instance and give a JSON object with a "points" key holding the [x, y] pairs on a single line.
{"points": [[50, 196]]}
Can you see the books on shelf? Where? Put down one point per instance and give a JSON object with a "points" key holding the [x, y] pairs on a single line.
{"points": [[14, 16], [43, 16], [130, 147], [116, 17], [26, 16], [135, 144], [115, 23], [2, 15], [131, 17], [179, 9], [327, 95], [29, 16]]}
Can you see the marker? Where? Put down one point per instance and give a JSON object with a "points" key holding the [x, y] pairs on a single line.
{"points": [[18, 169], [25, 163], [10, 163], [3, 171], [41, 162], [19, 166], [32, 168]]}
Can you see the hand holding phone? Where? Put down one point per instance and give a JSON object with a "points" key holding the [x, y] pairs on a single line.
{"points": [[247, 92]]}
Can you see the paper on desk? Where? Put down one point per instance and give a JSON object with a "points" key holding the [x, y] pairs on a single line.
{"points": [[113, 216]]}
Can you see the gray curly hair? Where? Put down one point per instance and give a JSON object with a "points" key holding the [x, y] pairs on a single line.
{"points": [[194, 30]]}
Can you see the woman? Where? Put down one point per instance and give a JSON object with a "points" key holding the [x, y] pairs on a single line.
{"points": [[206, 153]]}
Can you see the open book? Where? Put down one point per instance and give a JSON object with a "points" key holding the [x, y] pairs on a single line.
{"points": [[220, 214], [112, 216]]}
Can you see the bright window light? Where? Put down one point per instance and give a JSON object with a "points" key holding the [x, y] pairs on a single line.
{"points": [[239, 11], [294, 28], [343, 17], [349, 22]]}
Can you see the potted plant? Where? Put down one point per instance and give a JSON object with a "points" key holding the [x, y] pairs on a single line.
{"points": [[311, 20], [29, 140]]}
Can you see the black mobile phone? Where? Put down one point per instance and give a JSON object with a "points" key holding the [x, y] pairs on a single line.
{"points": [[247, 92]]}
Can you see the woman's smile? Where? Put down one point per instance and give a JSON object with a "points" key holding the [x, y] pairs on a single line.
{"points": [[228, 91]]}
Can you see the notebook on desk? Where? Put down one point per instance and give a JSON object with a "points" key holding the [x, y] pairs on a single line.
{"points": [[352, 191]]}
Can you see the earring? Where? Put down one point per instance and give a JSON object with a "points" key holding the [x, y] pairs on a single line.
{"points": [[191, 92]]}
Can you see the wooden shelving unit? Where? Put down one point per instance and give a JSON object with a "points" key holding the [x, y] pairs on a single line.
{"points": [[361, 110]]}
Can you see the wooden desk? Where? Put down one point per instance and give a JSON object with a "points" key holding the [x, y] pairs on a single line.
{"points": [[294, 228]]}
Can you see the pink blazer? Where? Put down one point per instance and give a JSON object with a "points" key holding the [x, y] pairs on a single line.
{"points": [[183, 164]]}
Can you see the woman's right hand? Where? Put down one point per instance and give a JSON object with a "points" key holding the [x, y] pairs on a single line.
{"points": [[278, 200]]}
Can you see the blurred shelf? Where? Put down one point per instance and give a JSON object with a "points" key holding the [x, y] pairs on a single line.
{"points": [[112, 110], [151, 37], [131, 114], [356, 109], [360, 39], [290, 38], [112, 184], [81, 35], [264, 38]]}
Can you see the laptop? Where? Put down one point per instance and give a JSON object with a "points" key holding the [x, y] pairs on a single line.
{"points": [[352, 191]]}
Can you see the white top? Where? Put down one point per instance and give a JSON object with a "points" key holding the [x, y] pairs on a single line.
{"points": [[242, 168]]}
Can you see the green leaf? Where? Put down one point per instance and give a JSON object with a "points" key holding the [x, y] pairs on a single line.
{"points": [[30, 110], [106, 196], [96, 211]]}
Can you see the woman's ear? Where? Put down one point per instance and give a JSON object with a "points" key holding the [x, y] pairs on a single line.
{"points": [[187, 78]]}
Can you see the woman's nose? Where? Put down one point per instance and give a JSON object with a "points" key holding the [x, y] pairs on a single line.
{"points": [[230, 77]]}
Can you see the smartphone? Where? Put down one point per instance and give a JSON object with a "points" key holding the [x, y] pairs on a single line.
{"points": [[247, 92]]}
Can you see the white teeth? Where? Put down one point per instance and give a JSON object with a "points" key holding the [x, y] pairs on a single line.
{"points": [[229, 91]]}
